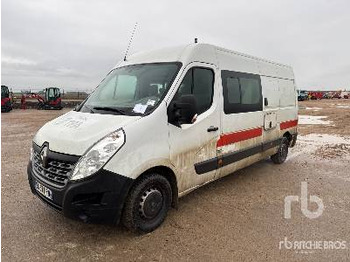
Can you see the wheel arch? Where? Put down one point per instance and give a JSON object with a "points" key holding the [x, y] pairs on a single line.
{"points": [[289, 136], [169, 174]]}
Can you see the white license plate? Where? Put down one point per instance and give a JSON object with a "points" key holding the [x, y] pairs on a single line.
{"points": [[43, 190]]}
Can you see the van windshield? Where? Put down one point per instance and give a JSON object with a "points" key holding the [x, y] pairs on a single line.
{"points": [[132, 90]]}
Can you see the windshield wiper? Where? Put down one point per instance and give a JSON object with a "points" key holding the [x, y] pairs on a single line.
{"points": [[91, 111], [112, 109]]}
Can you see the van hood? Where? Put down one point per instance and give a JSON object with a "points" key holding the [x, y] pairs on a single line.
{"points": [[73, 133]]}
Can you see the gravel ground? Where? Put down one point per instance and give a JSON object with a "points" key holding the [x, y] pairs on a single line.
{"points": [[238, 218]]}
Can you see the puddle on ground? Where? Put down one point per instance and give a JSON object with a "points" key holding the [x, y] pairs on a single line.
{"points": [[322, 139], [313, 120], [342, 106], [322, 145], [313, 108]]}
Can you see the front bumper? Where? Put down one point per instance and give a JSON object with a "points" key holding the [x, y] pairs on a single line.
{"points": [[98, 199]]}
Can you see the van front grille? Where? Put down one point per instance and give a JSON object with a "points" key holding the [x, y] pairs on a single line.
{"points": [[56, 173]]}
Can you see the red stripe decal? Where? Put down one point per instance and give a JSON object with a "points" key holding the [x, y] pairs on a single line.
{"points": [[288, 124], [231, 138]]}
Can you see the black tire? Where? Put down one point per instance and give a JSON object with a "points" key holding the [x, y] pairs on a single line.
{"points": [[282, 152], [147, 204]]}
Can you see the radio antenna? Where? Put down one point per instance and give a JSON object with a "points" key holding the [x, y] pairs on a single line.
{"points": [[130, 41]]}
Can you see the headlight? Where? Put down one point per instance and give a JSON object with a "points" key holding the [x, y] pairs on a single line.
{"points": [[98, 155]]}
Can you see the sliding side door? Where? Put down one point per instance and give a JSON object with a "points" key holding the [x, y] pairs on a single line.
{"points": [[240, 142]]}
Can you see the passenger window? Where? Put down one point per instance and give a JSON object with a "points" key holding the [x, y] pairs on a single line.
{"points": [[242, 92], [186, 85], [233, 93], [250, 91], [200, 83]]}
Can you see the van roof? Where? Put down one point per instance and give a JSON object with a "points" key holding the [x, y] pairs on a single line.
{"points": [[208, 54]]}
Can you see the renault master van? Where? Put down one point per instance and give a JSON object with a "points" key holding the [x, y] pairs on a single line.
{"points": [[161, 124]]}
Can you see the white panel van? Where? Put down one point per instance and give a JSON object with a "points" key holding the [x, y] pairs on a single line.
{"points": [[161, 124]]}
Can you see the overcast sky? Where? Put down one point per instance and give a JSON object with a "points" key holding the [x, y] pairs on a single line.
{"points": [[74, 43]]}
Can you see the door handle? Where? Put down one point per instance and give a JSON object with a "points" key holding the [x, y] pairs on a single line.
{"points": [[212, 129]]}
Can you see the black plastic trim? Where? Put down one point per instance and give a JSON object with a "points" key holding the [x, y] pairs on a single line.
{"points": [[207, 165], [229, 158], [56, 156], [111, 189]]}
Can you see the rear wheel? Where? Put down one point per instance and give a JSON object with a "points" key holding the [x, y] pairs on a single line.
{"points": [[282, 152], [147, 204]]}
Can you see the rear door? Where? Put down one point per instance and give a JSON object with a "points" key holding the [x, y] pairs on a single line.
{"points": [[271, 95], [242, 121], [193, 146]]}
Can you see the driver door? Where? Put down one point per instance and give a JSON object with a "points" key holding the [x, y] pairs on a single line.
{"points": [[193, 146]]}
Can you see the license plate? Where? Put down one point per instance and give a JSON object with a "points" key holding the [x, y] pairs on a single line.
{"points": [[43, 190]]}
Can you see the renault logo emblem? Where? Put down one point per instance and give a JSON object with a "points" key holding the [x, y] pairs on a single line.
{"points": [[43, 155]]}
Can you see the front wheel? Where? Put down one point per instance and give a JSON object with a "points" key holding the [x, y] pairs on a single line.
{"points": [[147, 204], [282, 152]]}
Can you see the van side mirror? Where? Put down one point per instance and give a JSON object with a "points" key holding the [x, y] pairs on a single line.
{"points": [[183, 110]]}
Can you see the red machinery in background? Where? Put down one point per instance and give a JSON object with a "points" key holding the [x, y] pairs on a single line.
{"points": [[316, 95], [50, 98], [6, 99]]}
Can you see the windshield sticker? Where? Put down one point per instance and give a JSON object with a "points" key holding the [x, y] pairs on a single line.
{"points": [[151, 102], [140, 108]]}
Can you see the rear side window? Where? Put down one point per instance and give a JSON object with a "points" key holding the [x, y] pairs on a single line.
{"points": [[233, 93], [242, 92], [250, 91], [199, 82]]}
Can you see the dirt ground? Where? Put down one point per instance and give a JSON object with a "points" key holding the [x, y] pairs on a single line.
{"points": [[237, 218], [337, 111]]}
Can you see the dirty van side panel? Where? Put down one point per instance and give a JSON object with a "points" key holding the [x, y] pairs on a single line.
{"points": [[271, 93], [287, 117], [287, 93], [191, 144], [247, 127], [146, 145], [280, 109], [241, 138]]}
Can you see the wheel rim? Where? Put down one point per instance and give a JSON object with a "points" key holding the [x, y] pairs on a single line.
{"points": [[151, 203]]}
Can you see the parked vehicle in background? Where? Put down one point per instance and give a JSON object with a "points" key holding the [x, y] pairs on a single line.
{"points": [[49, 98], [337, 95], [302, 95], [326, 95], [344, 95], [160, 125], [316, 95], [6, 99], [52, 99]]}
